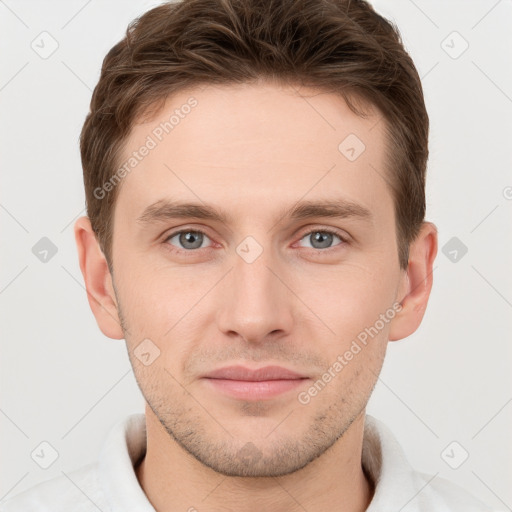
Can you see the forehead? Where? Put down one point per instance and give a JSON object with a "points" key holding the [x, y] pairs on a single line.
{"points": [[253, 146]]}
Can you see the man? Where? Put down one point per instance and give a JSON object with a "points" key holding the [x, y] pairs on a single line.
{"points": [[254, 175]]}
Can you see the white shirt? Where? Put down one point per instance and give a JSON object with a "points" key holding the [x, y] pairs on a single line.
{"points": [[111, 485]]}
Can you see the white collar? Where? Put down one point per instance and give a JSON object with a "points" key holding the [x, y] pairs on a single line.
{"points": [[397, 484]]}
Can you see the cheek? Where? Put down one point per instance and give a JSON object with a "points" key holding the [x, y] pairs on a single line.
{"points": [[164, 307], [152, 296], [349, 298]]}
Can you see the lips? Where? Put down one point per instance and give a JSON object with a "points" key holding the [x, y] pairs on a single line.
{"points": [[243, 383]]}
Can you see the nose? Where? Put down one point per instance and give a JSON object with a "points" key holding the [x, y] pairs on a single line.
{"points": [[257, 302]]}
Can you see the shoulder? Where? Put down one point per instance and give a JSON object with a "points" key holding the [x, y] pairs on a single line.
{"points": [[77, 491], [399, 486], [453, 497]]}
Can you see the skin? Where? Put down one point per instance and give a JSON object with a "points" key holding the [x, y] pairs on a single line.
{"points": [[255, 150]]}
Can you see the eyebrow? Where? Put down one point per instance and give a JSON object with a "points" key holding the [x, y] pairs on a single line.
{"points": [[333, 208]]}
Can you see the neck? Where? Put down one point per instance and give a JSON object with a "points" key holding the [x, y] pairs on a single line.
{"points": [[173, 480]]}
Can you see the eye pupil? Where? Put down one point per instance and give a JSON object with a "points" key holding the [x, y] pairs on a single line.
{"points": [[187, 237], [324, 238]]}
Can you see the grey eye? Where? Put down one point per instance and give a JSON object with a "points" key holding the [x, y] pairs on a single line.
{"points": [[188, 239], [321, 239]]}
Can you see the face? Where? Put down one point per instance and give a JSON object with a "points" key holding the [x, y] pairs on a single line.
{"points": [[269, 281]]}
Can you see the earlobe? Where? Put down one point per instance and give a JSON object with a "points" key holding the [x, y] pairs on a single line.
{"points": [[98, 280], [414, 290]]}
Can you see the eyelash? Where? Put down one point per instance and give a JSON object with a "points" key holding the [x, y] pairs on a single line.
{"points": [[344, 240]]}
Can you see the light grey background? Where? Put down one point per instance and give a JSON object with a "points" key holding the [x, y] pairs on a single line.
{"points": [[63, 382]]}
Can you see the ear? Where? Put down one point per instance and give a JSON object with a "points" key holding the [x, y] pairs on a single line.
{"points": [[98, 280], [416, 283]]}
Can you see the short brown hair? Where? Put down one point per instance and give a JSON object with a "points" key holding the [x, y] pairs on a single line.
{"points": [[340, 46]]}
